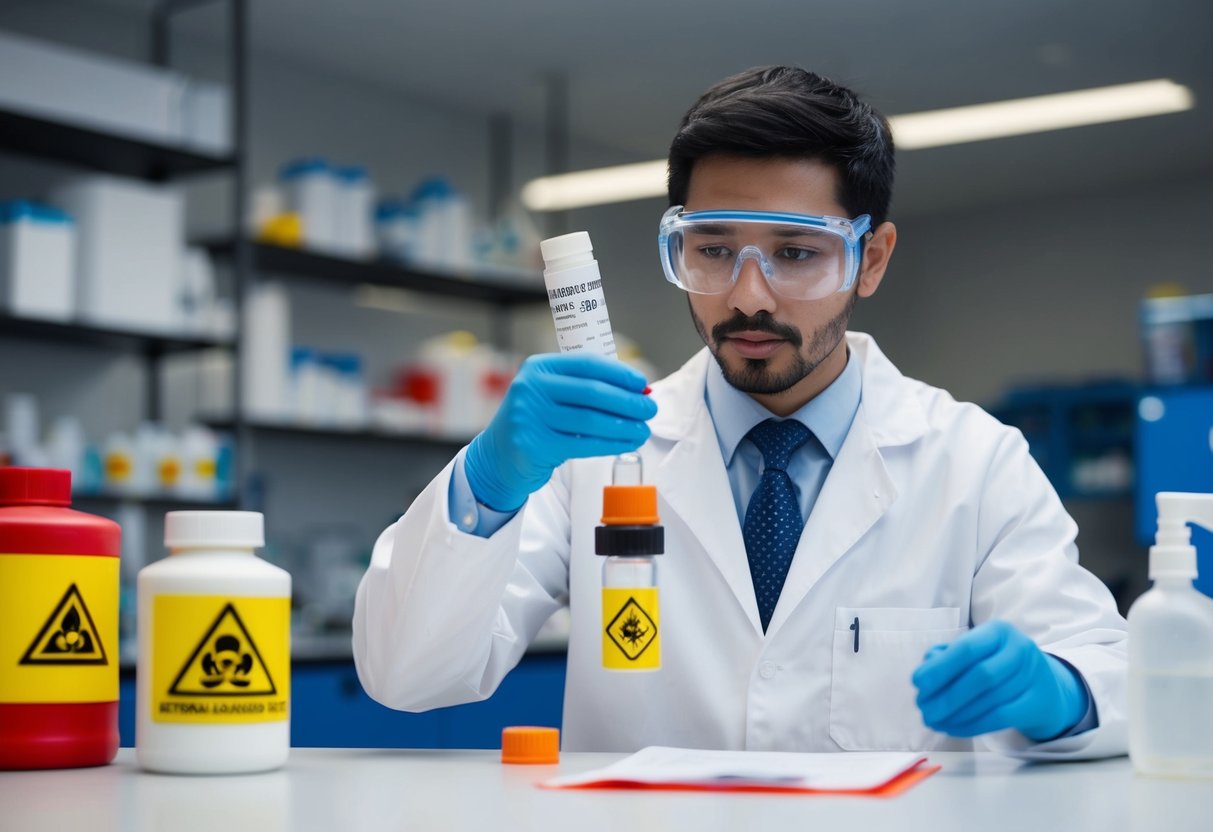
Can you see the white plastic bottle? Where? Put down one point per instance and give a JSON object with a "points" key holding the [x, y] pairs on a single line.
{"points": [[1171, 651], [574, 286], [213, 683]]}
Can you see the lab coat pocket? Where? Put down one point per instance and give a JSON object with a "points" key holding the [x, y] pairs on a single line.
{"points": [[876, 650]]}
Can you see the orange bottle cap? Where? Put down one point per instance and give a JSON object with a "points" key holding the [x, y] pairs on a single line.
{"points": [[629, 505], [530, 744]]}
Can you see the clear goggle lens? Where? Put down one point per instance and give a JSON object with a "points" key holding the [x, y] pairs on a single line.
{"points": [[706, 253]]}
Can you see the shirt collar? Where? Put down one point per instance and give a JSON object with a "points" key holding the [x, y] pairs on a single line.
{"points": [[828, 415]]}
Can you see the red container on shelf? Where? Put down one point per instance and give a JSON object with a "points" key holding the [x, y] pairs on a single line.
{"points": [[58, 625]]}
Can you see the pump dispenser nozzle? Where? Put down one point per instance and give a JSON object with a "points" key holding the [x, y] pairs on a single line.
{"points": [[1173, 553]]}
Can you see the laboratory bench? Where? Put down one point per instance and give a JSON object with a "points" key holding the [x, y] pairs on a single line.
{"points": [[370, 789]]}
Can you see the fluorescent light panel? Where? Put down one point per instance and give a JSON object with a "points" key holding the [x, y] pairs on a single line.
{"points": [[912, 131]]}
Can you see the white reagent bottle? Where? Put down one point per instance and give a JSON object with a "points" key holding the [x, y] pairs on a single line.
{"points": [[574, 286], [1171, 651], [213, 682]]}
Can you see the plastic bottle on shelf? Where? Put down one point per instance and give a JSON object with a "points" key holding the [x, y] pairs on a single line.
{"points": [[213, 682], [444, 225], [355, 205], [65, 447], [265, 345], [1171, 651], [575, 295], [118, 461], [22, 430], [629, 540], [58, 625], [199, 452], [397, 226], [311, 192]]}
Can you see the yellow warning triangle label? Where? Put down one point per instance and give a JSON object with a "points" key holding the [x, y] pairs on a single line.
{"points": [[69, 635], [226, 662]]}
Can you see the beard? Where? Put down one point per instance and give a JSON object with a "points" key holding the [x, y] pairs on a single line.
{"points": [[755, 375]]}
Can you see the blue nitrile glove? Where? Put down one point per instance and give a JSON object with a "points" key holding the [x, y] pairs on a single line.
{"points": [[558, 407], [995, 677]]}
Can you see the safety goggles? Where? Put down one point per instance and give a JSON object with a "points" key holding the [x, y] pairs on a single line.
{"points": [[803, 257]]}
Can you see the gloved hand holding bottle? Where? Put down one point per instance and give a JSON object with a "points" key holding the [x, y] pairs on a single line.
{"points": [[994, 677], [558, 407]]}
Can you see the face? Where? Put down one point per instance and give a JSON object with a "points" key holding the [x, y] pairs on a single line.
{"points": [[780, 351]]}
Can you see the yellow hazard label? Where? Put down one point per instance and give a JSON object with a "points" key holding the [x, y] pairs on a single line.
{"points": [[631, 639], [218, 659], [58, 628]]}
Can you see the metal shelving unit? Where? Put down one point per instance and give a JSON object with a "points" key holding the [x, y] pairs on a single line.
{"points": [[42, 138], [505, 289], [31, 135], [355, 434], [154, 343]]}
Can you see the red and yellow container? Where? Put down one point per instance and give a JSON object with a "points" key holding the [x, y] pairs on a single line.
{"points": [[58, 626]]}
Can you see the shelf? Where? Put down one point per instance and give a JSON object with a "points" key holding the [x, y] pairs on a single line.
{"points": [[31, 135], [356, 434], [80, 333], [155, 500], [300, 263]]}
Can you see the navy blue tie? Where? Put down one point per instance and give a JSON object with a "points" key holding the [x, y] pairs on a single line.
{"points": [[772, 521]]}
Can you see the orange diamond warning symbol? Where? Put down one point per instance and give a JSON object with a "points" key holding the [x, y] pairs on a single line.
{"points": [[632, 630], [69, 635]]}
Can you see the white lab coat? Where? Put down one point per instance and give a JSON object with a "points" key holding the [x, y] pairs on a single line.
{"points": [[934, 518]]}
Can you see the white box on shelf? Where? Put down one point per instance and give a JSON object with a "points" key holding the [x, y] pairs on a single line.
{"points": [[93, 91], [130, 241], [204, 111], [36, 261]]}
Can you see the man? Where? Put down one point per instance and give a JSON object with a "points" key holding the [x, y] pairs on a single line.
{"points": [[854, 560]]}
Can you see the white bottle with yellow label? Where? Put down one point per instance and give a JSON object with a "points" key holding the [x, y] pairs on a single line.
{"points": [[213, 686]]}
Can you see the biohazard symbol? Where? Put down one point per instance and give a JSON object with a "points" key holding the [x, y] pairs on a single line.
{"points": [[632, 630], [69, 635], [226, 662]]}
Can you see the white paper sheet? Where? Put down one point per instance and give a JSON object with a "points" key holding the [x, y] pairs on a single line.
{"points": [[723, 769]]}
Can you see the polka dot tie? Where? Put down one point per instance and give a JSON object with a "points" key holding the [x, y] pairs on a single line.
{"points": [[772, 521]]}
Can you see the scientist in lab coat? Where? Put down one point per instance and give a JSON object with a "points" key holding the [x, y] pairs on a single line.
{"points": [[854, 560]]}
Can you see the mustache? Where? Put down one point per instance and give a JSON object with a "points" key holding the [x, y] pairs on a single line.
{"points": [[762, 322]]}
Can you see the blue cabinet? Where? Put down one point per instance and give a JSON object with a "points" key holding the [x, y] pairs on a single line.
{"points": [[1080, 435], [329, 708], [1175, 453]]}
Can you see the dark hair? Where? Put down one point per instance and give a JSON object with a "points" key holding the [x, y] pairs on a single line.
{"points": [[790, 112]]}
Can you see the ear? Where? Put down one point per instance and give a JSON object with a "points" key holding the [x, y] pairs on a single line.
{"points": [[876, 254]]}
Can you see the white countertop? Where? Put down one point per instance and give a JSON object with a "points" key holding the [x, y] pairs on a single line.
{"points": [[370, 789]]}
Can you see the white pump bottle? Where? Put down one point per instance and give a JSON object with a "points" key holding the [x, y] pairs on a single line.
{"points": [[1171, 651]]}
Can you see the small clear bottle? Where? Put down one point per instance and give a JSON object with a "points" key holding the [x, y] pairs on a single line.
{"points": [[213, 680], [629, 540], [1171, 651]]}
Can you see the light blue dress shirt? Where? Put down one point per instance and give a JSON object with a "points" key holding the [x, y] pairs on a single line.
{"points": [[828, 416]]}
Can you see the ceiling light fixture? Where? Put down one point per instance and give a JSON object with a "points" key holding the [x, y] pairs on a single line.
{"points": [[911, 131]]}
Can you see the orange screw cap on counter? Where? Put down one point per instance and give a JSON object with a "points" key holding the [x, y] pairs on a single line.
{"points": [[527, 744]]}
